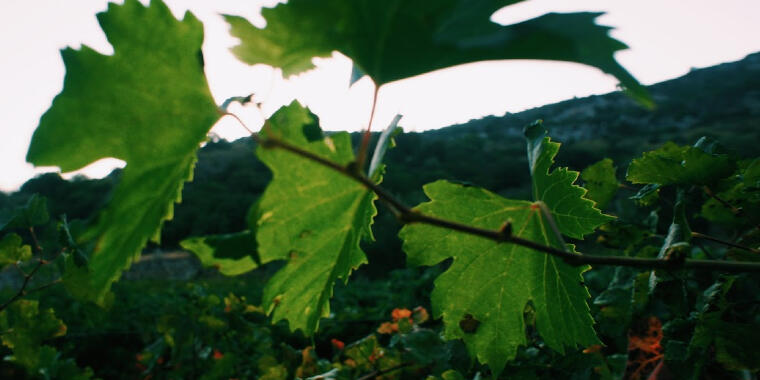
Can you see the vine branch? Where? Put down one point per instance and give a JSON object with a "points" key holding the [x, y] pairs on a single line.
{"points": [[407, 215]]}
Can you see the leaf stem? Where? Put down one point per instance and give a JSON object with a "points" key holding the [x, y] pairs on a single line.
{"points": [[364, 147], [408, 215], [734, 210], [724, 242]]}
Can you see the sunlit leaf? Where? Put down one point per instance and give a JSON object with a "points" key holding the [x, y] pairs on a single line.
{"points": [[147, 104], [311, 216], [392, 40]]}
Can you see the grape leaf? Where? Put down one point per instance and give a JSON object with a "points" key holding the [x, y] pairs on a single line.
{"points": [[26, 328], [12, 250], [33, 213], [311, 216], [741, 194], [574, 214], [494, 282], [392, 40], [148, 104], [676, 165], [231, 254], [599, 179]]}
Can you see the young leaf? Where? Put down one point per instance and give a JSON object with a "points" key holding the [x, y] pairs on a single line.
{"points": [[231, 254], [494, 282], [676, 165], [311, 216], [12, 250], [392, 40], [574, 213], [600, 182], [147, 104]]}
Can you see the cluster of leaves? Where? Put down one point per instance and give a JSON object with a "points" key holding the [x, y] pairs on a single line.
{"points": [[314, 215], [25, 327]]}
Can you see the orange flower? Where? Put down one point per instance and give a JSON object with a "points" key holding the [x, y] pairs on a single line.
{"points": [[397, 314], [218, 354], [337, 344]]}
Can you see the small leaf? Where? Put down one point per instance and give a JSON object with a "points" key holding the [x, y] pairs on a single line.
{"points": [[231, 254], [599, 179], [311, 216], [147, 104], [574, 213], [13, 250], [677, 165]]}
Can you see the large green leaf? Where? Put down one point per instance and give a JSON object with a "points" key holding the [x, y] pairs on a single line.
{"points": [[397, 39], [147, 104], [672, 164], [494, 282], [575, 215], [311, 216]]}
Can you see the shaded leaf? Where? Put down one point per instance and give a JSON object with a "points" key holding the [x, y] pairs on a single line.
{"points": [[676, 165], [311, 216], [740, 195], [231, 254], [25, 328], [147, 104], [33, 213], [392, 40], [599, 179]]}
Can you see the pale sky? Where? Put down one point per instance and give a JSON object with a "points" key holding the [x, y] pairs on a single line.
{"points": [[666, 38]]}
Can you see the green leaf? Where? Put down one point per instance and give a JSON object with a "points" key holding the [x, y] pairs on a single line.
{"points": [[740, 195], [494, 282], [311, 216], [147, 104], [676, 165], [574, 214], [12, 250], [392, 40], [231, 254], [33, 213], [599, 179], [25, 328]]}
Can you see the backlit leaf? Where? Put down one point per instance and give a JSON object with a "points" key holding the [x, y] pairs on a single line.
{"points": [[492, 283], [392, 40], [147, 104], [311, 216]]}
